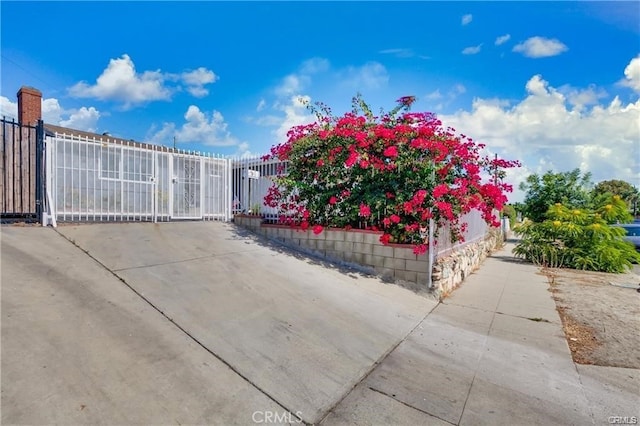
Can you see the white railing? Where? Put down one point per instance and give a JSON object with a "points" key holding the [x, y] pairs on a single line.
{"points": [[252, 178], [476, 230], [92, 179], [249, 193]]}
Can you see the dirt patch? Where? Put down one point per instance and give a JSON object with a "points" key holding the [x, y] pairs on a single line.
{"points": [[600, 314]]}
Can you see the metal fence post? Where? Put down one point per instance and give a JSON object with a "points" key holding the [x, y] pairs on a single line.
{"points": [[40, 171], [431, 256], [229, 188]]}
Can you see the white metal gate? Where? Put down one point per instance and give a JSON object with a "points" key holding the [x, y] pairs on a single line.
{"points": [[106, 180], [187, 187]]}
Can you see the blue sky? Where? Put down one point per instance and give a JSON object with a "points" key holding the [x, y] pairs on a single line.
{"points": [[553, 84]]}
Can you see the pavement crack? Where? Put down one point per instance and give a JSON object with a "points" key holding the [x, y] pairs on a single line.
{"points": [[584, 393], [174, 262], [534, 319], [484, 345], [467, 306], [375, 365], [408, 405], [179, 327]]}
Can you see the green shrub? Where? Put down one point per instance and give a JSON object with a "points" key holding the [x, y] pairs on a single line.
{"points": [[510, 212], [579, 239]]}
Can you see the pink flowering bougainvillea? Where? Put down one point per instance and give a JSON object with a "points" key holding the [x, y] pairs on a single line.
{"points": [[391, 173]]}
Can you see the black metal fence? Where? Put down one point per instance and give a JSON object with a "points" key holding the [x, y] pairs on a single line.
{"points": [[22, 170]]}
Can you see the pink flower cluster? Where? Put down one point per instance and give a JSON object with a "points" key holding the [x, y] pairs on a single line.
{"points": [[392, 173]]}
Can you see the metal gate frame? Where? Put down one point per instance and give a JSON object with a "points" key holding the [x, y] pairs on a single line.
{"points": [[92, 179], [22, 169]]}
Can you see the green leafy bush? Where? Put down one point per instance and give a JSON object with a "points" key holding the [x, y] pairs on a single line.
{"points": [[579, 239]]}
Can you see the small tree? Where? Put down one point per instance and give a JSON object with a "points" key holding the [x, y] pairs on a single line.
{"points": [[579, 239], [568, 188], [627, 192]]}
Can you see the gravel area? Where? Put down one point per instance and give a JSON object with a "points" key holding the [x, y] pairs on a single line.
{"points": [[601, 315]]}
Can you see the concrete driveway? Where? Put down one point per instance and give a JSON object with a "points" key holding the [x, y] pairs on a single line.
{"points": [[188, 322]]}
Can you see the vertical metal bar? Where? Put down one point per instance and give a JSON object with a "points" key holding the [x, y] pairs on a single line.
{"points": [[32, 146], [86, 179], [431, 255], [77, 180], [229, 188], [201, 187], [120, 180], [20, 174], [64, 180], [154, 197], [49, 212], [105, 147], [95, 179], [40, 170], [4, 165], [171, 188], [73, 210], [131, 182]]}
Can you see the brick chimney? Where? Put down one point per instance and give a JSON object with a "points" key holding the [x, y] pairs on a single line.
{"points": [[29, 105]]}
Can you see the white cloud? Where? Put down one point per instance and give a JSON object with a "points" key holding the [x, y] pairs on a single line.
{"points": [[581, 98], [261, 105], [546, 131], [79, 119], [540, 47], [197, 79], [296, 82], [458, 89], [466, 19], [52, 113], [399, 52], [632, 75], [244, 151], [502, 39], [371, 75], [472, 50], [435, 95], [199, 127], [290, 84], [268, 120], [438, 100], [120, 82], [8, 108], [403, 53], [314, 66], [295, 114], [82, 119]]}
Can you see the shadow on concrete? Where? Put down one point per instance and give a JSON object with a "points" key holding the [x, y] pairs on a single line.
{"points": [[511, 259], [351, 270]]}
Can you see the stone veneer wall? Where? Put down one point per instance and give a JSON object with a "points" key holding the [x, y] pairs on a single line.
{"points": [[450, 271], [364, 250]]}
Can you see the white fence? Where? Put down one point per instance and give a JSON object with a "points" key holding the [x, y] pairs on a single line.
{"points": [[476, 230], [252, 178], [98, 180]]}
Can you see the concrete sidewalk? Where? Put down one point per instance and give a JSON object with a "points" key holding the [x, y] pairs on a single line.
{"points": [[492, 353], [197, 323]]}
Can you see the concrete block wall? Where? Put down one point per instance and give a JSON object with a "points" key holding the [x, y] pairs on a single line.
{"points": [[358, 248], [363, 249]]}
